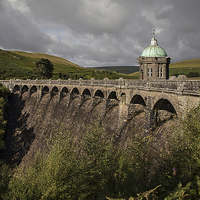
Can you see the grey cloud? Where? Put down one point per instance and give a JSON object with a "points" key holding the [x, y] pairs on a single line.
{"points": [[101, 32], [80, 15], [18, 32]]}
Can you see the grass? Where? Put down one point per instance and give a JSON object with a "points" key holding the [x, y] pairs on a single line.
{"points": [[185, 66], [120, 69]]}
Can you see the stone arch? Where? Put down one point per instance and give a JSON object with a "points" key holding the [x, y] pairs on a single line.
{"points": [[64, 92], [164, 104], [138, 99], [45, 90], [86, 95], [33, 90], [75, 91], [16, 88], [54, 91], [86, 92], [24, 89], [113, 95], [99, 93], [122, 94], [159, 100]]}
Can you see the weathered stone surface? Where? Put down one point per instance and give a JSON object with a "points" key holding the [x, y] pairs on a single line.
{"points": [[176, 96], [120, 105]]}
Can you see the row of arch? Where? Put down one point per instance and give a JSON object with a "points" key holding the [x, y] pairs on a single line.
{"points": [[161, 104], [63, 92]]}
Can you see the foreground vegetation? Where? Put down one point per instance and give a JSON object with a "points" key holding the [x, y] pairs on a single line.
{"points": [[95, 167], [3, 113]]}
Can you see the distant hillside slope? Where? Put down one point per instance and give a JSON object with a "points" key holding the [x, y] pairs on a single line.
{"points": [[53, 59], [120, 69], [17, 64], [185, 67]]}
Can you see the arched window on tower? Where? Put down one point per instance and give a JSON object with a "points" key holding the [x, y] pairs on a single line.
{"points": [[151, 72]]}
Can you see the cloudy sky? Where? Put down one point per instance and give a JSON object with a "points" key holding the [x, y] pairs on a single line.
{"points": [[101, 32]]}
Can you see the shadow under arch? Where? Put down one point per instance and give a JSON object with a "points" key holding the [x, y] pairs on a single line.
{"points": [[74, 94], [164, 104], [86, 95], [99, 93], [86, 92], [112, 95], [45, 90], [33, 90], [54, 91], [137, 99], [75, 91], [64, 92], [16, 88], [24, 89]]}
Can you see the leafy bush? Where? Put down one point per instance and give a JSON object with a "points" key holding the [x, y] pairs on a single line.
{"points": [[94, 167], [3, 113], [190, 74], [193, 74], [87, 169]]}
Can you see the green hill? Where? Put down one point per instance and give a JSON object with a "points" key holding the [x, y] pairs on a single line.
{"points": [[187, 67], [120, 69], [17, 64]]}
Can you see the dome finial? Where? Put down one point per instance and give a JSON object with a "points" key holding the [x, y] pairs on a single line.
{"points": [[154, 32], [153, 40]]}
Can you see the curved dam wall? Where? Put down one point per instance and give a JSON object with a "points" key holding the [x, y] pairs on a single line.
{"points": [[34, 121]]}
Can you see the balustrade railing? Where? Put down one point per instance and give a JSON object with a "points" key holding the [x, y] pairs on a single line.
{"points": [[176, 86]]}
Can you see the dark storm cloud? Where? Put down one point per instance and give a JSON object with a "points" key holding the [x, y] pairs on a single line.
{"points": [[101, 32], [18, 32]]}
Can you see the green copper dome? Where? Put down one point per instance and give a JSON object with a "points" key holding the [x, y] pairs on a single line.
{"points": [[154, 50]]}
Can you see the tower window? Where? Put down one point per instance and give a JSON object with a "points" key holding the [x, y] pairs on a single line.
{"points": [[149, 72], [161, 72], [158, 72]]}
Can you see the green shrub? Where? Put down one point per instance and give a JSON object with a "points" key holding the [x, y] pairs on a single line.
{"points": [[3, 113], [94, 167]]}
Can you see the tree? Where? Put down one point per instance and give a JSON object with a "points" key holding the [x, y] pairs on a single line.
{"points": [[44, 68]]}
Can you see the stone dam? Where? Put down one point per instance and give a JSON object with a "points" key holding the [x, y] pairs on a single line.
{"points": [[125, 108]]}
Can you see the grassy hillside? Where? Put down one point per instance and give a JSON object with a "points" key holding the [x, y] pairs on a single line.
{"points": [[121, 69], [185, 67], [17, 64]]}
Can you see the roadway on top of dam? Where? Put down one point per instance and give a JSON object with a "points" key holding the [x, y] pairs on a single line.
{"points": [[181, 87]]}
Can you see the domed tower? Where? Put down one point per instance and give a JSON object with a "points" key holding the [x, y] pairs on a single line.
{"points": [[154, 62]]}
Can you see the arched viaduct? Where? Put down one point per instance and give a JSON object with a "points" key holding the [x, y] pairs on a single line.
{"points": [[174, 96]]}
